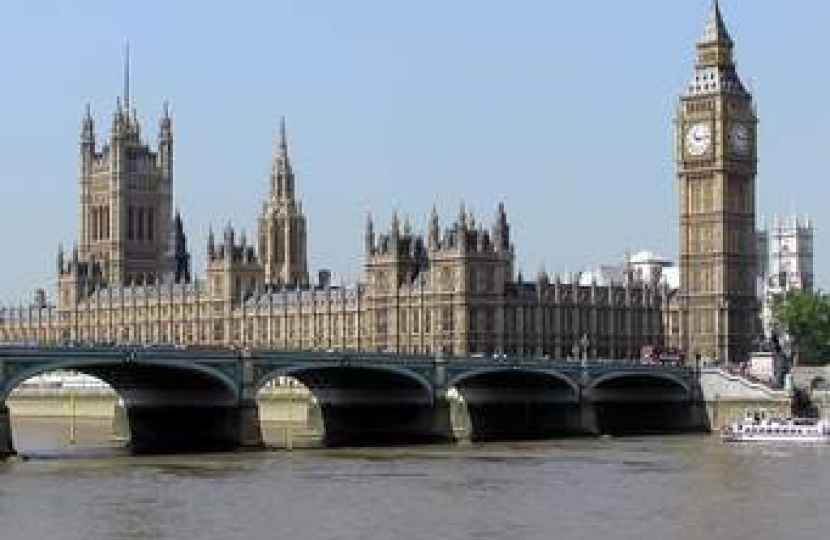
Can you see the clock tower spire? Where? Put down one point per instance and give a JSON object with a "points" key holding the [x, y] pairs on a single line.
{"points": [[716, 169]]}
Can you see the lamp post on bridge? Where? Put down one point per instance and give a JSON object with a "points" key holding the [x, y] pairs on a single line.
{"points": [[583, 362], [583, 345]]}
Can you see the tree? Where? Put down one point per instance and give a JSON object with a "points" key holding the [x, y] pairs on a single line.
{"points": [[805, 316]]}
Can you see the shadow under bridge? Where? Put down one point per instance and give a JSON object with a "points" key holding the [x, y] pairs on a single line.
{"points": [[368, 405], [517, 404], [643, 403], [170, 407]]}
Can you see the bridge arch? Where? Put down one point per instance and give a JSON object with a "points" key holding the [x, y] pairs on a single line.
{"points": [[362, 404], [170, 404], [643, 378], [307, 374], [641, 402], [105, 368], [505, 402], [461, 378]]}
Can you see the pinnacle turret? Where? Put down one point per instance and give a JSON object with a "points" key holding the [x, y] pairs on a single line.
{"points": [[211, 243], [434, 230], [87, 127], [165, 123], [715, 30], [119, 118], [370, 234]]}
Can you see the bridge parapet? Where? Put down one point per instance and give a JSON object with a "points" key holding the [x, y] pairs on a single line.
{"points": [[357, 385]]}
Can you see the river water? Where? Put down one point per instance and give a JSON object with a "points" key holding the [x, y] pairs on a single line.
{"points": [[655, 488]]}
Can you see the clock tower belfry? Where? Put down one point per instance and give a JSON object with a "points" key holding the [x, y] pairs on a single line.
{"points": [[716, 168]]}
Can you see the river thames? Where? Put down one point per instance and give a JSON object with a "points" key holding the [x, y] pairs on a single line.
{"points": [[682, 487]]}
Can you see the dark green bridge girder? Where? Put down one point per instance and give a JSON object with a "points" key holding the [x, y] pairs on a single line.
{"points": [[205, 399], [246, 371]]}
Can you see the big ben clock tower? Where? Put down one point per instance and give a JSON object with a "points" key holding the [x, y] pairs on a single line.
{"points": [[716, 168]]}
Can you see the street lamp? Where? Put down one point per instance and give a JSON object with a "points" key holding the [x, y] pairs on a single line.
{"points": [[583, 342]]}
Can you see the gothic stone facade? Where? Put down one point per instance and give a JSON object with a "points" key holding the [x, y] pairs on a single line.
{"points": [[454, 292], [454, 296]]}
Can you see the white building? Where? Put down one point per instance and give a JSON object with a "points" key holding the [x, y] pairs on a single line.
{"points": [[785, 262], [643, 266]]}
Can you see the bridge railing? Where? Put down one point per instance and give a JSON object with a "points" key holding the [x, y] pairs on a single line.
{"points": [[139, 350]]}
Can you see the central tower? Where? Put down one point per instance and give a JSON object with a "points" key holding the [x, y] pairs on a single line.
{"points": [[126, 196], [716, 168], [282, 226]]}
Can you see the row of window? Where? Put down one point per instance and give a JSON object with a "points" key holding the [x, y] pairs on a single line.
{"points": [[141, 223], [99, 222]]}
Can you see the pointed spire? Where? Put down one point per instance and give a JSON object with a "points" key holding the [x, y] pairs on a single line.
{"points": [[370, 224], [60, 259], [134, 125], [211, 245], [282, 177], [283, 137], [370, 234], [715, 30], [501, 229], [87, 126], [229, 238], [434, 229], [165, 132], [119, 120], [396, 224]]}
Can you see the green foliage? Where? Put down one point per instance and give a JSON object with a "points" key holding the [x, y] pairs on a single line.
{"points": [[805, 316]]}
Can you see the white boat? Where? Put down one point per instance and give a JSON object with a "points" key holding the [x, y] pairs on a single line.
{"points": [[757, 428]]}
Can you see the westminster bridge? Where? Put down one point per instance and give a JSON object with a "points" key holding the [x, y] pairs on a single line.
{"points": [[205, 399]]}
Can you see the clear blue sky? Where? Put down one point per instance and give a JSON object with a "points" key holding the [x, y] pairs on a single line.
{"points": [[562, 109]]}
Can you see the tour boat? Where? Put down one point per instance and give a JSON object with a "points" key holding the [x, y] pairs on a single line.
{"points": [[756, 428]]}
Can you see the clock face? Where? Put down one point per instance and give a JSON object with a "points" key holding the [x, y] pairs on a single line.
{"points": [[739, 139], [698, 139]]}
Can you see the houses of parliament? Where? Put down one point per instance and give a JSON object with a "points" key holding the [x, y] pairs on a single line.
{"points": [[451, 289]]}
